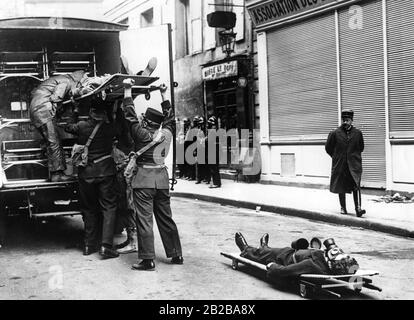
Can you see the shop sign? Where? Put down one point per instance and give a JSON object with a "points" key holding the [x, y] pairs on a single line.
{"points": [[223, 70], [272, 11]]}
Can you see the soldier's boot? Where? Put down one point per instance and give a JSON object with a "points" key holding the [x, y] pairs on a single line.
{"points": [[264, 240], [342, 202], [149, 69], [132, 245], [60, 176], [357, 201]]}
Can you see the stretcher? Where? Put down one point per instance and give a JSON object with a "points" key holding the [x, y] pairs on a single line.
{"points": [[314, 284], [113, 88]]}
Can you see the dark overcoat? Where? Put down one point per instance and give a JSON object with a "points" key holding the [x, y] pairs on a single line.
{"points": [[345, 148]]}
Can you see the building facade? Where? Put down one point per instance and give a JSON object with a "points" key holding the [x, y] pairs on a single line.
{"points": [[209, 81], [87, 9], [316, 58]]}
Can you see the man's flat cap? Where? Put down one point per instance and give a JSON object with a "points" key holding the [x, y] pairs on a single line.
{"points": [[347, 113]]}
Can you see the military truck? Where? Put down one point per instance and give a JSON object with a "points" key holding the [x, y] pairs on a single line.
{"points": [[31, 50]]}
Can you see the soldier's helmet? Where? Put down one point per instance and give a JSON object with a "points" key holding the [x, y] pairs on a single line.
{"points": [[196, 120], [212, 121]]}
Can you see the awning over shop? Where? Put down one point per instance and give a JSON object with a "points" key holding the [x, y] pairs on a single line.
{"points": [[60, 23]]}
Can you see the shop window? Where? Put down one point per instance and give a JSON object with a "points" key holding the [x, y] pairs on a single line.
{"points": [[196, 27], [219, 101], [184, 26], [209, 33]]}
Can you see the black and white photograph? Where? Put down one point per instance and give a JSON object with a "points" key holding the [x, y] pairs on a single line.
{"points": [[206, 156]]}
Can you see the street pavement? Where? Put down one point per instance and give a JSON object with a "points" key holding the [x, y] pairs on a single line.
{"points": [[40, 262], [315, 204]]}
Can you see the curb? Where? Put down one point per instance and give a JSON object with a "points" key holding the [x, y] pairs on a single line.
{"points": [[311, 215]]}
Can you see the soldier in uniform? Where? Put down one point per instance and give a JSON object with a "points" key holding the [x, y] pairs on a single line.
{"points": [[126, 217], [182, 167], [98, 197], [44, 108], [151, 182], [345, 145], [213, 160]]}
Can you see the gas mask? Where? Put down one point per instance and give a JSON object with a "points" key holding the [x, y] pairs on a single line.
{"points": [[338, 261]]}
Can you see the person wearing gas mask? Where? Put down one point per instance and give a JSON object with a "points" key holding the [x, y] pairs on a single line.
{"points": [[299, 258], [345, 145], [45, 106]]}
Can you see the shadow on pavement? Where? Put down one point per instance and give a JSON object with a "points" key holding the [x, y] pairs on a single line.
{"points": [[54, 233]]}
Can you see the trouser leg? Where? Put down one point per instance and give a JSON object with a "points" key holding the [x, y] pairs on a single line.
{"points": [[215, 174], [108, 205], [166, 225], [88, 194], [143, 201], [55, 153], [125, 216], [263, 254], [357, 198], [342, 200]]}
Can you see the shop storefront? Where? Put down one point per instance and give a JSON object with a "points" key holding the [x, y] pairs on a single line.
{"points": [[227, 96], [317, 57]]}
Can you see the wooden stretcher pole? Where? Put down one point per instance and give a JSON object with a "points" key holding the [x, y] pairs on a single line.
{"points": [[245, 261], [172, 86]]}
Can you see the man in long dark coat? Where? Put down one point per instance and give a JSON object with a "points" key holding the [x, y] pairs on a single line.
{"points": [[345, 145]]}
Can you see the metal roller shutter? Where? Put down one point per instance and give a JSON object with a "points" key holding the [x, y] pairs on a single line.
{"points": [[400, 38], [362, 86], [302, 78]]}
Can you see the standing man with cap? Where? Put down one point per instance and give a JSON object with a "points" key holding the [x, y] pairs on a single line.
{"points": [[98, 197], [213, 158], [151, 182], [345, 145]]}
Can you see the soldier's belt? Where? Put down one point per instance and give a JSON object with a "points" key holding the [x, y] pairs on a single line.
{"points": [[102, 158], [151, 166]]}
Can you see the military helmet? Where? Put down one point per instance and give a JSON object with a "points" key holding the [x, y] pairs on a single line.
{"points": [[212, 120]]}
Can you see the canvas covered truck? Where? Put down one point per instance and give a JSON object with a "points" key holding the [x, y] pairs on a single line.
{"points": [[32, 50]]}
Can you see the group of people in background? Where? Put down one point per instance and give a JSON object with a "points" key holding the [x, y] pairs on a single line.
{"points": [[201, 132]]}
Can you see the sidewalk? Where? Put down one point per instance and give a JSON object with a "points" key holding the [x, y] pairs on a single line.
{"points": [[309, 203]]}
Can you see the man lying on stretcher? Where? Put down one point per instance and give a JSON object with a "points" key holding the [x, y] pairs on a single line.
{"points": [[291, 262]]}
